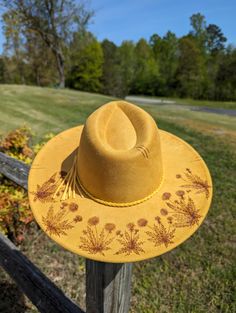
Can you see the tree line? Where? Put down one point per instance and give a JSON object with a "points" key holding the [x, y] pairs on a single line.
{"points": [[47, 44]]}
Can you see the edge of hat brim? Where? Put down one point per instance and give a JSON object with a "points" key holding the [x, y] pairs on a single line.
{"points": [[131, 258]]}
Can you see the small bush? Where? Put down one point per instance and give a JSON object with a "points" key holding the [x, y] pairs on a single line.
{"points": [[16, 144], [15, 213]]}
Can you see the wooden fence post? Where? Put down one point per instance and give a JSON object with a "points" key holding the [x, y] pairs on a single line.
{"points": [[46, 296], [108, 287]]}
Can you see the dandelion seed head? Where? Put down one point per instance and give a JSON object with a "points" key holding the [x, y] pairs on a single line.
{"points": [[164, 212], [166, 196], [110, 227], [130, 226], [93, 221], [142, 222], [78, 218], [180, 193], [73, 207]]}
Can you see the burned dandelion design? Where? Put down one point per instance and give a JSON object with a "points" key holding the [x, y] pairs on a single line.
{"points": [[59, 223], [130, 239], [44, 193], [95, 241], [159, 234], [192, 181], [56, 223], [183, 210]]}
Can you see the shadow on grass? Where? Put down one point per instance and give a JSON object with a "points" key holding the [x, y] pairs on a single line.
{"points": [[11, 298]]}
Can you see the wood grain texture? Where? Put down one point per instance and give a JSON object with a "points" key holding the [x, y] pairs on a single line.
{"points": [[37, 287], [15, 170], [108, 287]]}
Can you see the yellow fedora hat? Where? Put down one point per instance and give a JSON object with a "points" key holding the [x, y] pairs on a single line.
{"points": [[118, 189]]}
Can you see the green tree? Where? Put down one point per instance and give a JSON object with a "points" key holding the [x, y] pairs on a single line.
{"points": [[53, 21], [214, 57], [155, 42], [86, 64], [128, 68], [191, 70], [110, 71], [165, 52], [14, 46], [126, 55], [2, 70], [118, 68], [226, 76], [146, 71], [215, 38], [30, 61], [40, 62], [198, 23]]}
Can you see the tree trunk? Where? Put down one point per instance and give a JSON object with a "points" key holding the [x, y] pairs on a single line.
{"points": [[37, 76], [60, 68]]}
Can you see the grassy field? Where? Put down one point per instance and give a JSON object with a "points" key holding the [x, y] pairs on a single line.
{"points": [[198, 276], [50, 110], [45, 110]]}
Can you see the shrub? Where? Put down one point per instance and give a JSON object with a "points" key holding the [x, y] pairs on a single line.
{"points": [[16, 144], [15, 213]]}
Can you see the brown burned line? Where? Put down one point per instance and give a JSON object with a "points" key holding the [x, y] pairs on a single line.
{"points": [[58, 223], [130, 240], [97, 241], [195, 182], [159, 234], [45, 192], [182, 209]]}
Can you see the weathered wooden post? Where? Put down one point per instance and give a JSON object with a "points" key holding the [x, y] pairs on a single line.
{"points": [[108, 287]]}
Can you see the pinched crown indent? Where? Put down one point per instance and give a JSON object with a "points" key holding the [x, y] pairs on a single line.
{"points": [[119, 156]]}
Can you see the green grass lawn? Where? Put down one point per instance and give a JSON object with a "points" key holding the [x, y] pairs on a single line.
{"points": [[43, 109], [198, 276], [51, 110]]}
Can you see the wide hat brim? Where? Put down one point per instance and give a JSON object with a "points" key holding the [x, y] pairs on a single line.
{"points": [[120, 234]]}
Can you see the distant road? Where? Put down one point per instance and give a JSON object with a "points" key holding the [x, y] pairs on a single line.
{"points": [[148, 100], [143, 100]]}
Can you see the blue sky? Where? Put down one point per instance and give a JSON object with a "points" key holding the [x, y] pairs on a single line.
{"points": [[119, 20], [132, 19]]}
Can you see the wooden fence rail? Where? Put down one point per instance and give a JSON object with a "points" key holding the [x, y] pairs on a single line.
{"points": [[108, 285], [37, 287]]}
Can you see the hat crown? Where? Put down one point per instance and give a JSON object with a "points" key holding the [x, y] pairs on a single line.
{"points": [[119, 157]]}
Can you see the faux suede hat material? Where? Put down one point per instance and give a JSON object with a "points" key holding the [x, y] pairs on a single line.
{"points": [[118, 189]]}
